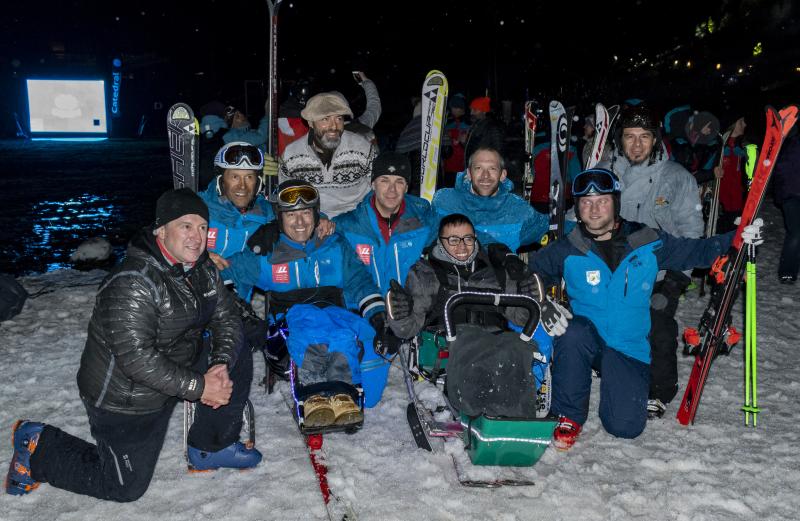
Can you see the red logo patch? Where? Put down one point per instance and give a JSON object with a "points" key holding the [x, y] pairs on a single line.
{"points": [[211, 243], [280, 273], [364, 252]]}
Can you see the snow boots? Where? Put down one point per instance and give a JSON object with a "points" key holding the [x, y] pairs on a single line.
{"points": [[320, 411], [24, 437], [234, 456], [655, 409]]}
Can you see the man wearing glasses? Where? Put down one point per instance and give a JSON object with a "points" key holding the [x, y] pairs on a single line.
{"points": [[609, 266], [455, 264]]}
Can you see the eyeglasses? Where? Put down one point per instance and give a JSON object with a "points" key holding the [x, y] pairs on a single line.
{"points": [[295, 195], [596, 180], [238, 156], [455, 240]]}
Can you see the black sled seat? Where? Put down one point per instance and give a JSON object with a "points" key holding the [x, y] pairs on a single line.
{"points": [[489, 382]]}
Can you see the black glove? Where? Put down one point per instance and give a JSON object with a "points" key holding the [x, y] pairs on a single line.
{"points": [[265, 238], [532, 287], [502, 257], [399, 301], [385, 343]]}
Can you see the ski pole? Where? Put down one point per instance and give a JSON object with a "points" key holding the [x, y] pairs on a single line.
{"points": [[750, 353]]}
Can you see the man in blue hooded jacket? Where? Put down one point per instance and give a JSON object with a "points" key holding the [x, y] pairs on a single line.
{"points": [[389, 228], [302, 268], [484, 194], [609, 266], [235, 205]]}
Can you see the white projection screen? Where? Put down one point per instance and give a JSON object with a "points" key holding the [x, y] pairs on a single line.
{"points": [[67, 107]]}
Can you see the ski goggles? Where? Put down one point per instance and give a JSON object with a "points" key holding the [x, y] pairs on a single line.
{"points": [[240, 155], [303, 196], [597, 180]]}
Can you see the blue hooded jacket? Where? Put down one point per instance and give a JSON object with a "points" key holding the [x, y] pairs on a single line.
{"points": [[228, 228], [504, 217], [385, 261]]}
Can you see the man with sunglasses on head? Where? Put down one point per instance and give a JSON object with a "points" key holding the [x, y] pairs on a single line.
{"points": [[663, 195], [303, 268], [240, 215], [609, 266], [335, 161]]}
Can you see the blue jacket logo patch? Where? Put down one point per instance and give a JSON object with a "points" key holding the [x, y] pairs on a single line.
{"points": [[593, 277]]}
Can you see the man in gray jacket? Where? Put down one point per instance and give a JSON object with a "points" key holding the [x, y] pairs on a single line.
{"points": [[663, 195], [145, 349]]}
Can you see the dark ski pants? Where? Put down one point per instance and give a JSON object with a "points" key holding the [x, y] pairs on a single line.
{"points": [[212, 429], [790, 254], [623, 385], [664, 335], [119, 467]]}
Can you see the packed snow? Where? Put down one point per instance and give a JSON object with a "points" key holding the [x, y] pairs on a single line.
{"points": [[718, 469]]}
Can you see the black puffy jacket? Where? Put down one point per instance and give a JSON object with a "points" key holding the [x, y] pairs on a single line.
{"points": [[147, 329]]}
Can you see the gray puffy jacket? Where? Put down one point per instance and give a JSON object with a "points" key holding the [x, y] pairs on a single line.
{"points": [[663, 196], [147, 329]]}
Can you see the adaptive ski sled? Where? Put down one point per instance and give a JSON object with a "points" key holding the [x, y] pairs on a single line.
{"points": [[501, 421]]}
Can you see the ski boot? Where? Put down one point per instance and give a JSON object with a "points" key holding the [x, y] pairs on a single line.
{"points": [[24, 437], [566, 433], [234, 456]]}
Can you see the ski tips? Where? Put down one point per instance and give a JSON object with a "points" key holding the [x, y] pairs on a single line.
{"points": [[788, 117]]}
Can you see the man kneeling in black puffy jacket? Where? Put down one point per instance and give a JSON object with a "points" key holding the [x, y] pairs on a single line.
{"points": [[145, 350]]}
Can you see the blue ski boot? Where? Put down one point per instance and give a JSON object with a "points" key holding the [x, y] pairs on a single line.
{"points": [[24, 437], [235, 456]]}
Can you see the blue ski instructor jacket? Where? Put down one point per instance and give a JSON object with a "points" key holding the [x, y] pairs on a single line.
{"points": [[618, 302]]}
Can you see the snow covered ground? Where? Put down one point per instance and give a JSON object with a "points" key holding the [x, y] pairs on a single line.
{"points": [[717, 469]]}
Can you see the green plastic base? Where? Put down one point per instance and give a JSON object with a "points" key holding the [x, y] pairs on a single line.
{"points": [[430, 345], [508, 442]]}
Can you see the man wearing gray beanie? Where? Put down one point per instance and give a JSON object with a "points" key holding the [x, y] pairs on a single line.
{"points": [[144, 352]]}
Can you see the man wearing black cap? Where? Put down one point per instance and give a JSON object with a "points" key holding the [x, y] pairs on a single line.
{"points": [[389, 228], [145, 350]]}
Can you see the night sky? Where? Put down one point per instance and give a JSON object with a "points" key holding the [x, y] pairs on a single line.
{"points": [[666, 52]]}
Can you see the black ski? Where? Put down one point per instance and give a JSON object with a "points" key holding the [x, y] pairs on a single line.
{"points": [[183, 132]]}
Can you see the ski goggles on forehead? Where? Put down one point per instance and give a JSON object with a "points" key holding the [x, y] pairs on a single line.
{"points": [[294, 195], [240, 155], [595, 180]]}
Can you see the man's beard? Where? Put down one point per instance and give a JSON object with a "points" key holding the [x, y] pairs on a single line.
{"points": [[328, 143]]}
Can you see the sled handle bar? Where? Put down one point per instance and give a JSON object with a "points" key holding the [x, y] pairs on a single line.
{"points": [[493, 299]]}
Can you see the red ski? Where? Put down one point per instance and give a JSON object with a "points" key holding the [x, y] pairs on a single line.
{"points": [[714, 334]]}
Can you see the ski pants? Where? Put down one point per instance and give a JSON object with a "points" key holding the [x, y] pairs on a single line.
{"points": [[664, 335], [623, 385], [790, 254], [120, 465]]}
